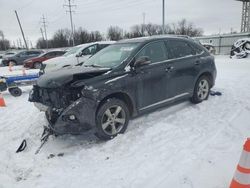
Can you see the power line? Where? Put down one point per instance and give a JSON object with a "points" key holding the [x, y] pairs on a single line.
{"points": [[71, 20], [44, 24]]}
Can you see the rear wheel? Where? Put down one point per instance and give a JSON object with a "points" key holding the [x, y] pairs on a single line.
{"points": [[247, 46], [12, 63], [16, 92], [112, 119], [201, 90], [37, 65]]}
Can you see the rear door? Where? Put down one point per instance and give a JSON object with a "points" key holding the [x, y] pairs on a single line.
{"points": [[182, 68], [152, 78]]}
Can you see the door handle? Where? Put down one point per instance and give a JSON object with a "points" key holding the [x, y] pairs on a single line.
{"points": [[197, 62], [169, 69]]}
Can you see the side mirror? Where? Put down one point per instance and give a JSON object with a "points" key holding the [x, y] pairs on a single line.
{"points": [[79, 54], [141, 61]]}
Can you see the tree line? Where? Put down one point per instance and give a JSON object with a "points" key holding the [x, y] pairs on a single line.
{"points": [[63, 38]]}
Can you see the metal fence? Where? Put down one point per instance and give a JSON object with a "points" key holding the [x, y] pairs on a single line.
{"points": [[223, 43]]}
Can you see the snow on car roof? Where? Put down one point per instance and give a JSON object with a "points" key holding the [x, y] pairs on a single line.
{"points": [[142, 39], [98, 42]]}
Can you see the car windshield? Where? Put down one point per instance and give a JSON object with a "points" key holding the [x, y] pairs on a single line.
{"points": [[112, 56], [73, 50], [42, 54]]}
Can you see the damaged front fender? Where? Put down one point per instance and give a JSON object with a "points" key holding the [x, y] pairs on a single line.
{"points": [[77, 118]]}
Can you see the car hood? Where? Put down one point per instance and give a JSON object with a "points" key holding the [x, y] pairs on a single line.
{"points": [[61, 62], [59, 78]]}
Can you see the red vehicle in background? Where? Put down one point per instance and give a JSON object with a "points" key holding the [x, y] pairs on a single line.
{"points": [[36, 62]]}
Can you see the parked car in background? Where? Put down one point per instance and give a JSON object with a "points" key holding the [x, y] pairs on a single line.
{"points": [[9, 53], [36, 62], [20, 57], [124, 80], [74, 56], [210, 47]]}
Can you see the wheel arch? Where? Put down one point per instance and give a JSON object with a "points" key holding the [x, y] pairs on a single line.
{"points": [[12, 60], [209, 75], [123, 97]]}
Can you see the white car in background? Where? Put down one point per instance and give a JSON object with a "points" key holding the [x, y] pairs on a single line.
{"points": [[75, 56], [6, 54]]}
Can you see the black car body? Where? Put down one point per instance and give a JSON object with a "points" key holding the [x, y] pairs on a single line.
{"points": [[20, 57], [151, 73]]}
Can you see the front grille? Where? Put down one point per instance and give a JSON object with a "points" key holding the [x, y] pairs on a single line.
{"points": [[55, 98]]}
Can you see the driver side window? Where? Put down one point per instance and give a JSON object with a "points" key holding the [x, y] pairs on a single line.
{"points": [[155, 51], [90, 50], [23, 54]]}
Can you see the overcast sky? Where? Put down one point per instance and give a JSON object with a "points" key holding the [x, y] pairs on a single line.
{"points": [[211, 15]]}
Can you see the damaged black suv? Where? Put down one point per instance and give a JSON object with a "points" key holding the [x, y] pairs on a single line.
{"points": [[126, 79]]}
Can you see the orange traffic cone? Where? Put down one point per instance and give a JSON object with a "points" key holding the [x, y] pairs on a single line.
{"points": [[2, 102], [242, 175]]}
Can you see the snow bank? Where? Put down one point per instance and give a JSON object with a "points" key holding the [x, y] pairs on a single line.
{"points": [[182, 146]]}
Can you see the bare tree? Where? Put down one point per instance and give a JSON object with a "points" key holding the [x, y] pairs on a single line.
{"points": [[115, 33], [184, 27], [4, 43], [61, 38]]}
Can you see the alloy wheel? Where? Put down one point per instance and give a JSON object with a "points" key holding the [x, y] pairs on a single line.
{"points": [[203, 89], [113, 120]]}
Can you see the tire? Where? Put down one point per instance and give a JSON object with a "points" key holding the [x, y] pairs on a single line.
{"points": [[12, 62], [114, 115], [16, 92], [247, 46], [201, 90], [37, 65]]}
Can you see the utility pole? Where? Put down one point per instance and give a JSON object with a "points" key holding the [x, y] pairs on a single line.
{"points": [[45, 33], [71, 21], [43, 42], [21, 30], [163, 17], [4, 46], [42, 33]]}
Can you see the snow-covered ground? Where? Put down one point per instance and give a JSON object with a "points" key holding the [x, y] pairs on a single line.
{"points": [[182, 146]]}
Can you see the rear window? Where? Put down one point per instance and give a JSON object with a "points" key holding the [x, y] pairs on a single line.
{"points": [[179, 49], [197, 50]]}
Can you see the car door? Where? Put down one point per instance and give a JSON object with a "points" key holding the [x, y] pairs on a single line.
{"points": [[22, 56], [151, 78], [182, 68]]}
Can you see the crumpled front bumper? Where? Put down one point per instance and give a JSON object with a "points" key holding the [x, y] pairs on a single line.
{"points": [[84, 112]]}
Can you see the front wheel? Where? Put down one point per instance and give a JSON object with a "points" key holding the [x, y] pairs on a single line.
{"points": [[201, 90], [112, 119]]}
